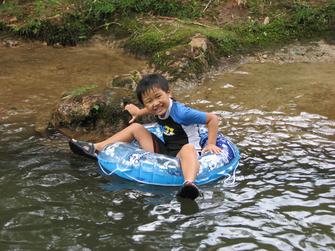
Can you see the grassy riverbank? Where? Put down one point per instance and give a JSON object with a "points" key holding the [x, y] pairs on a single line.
{"points": [[162, 31]]}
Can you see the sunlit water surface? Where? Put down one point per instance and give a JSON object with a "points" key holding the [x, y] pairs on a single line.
{"points": [[280, 117]]}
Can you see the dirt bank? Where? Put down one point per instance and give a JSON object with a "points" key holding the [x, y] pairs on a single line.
{"points": [[182, 38]]}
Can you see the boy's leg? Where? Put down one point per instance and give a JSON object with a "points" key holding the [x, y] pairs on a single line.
{"points": [[133, 131], [189, 162], [190, 167]]}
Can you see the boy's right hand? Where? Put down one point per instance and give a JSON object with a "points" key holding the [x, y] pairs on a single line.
{"points": [[133, 110]]}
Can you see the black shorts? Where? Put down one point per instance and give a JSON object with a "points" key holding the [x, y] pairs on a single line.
{"points": [[160, 147]]}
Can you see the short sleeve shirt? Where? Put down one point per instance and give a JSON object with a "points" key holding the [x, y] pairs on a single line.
{"points": [[180, 126]]}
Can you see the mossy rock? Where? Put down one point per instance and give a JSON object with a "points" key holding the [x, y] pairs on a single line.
{"points": [[188, 60], [101, 113], [128, 81]]}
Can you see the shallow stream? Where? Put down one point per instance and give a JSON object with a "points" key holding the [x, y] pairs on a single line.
{"points": [[281, 117]]}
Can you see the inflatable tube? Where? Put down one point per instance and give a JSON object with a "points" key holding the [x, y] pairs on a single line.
{"points": [[131, 162]]}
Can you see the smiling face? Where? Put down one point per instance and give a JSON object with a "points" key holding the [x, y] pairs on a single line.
{"points": [[156, 101]]}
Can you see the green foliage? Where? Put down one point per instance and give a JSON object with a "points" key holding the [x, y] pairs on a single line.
{"points": [[69, 32], [10, 9], [103, 9], [269, 7], [147, 42], [225, 42], [44, 8], [39, 7], [9, 6], [99, 9], [257, 6], [154, 37], [303, 22], [313, 19], [157, 39], [176, 8]]}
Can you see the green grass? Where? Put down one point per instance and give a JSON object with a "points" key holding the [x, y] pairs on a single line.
{"points": [[156, 40], [70, 21], [10, 9], [103, 9]]}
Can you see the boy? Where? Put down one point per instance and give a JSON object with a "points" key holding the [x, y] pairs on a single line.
{"points": [[180, 130]]}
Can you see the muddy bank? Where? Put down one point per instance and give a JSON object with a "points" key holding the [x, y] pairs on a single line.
{"points": [[183, 39]]}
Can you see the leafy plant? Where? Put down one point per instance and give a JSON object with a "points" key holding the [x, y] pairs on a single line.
{"points": [[100, 8]]}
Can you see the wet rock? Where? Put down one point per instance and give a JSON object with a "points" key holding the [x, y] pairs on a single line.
{"points": [[199, 43], [57, 46], [101, 113], [42, 125], [11, 43], [85, 111], [128, 81], [106, 40]]}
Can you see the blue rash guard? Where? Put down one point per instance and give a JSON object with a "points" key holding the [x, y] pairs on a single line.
{"points": [[180, 126]]}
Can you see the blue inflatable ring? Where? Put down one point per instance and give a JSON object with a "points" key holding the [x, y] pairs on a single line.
{"points": [[133, 163]]}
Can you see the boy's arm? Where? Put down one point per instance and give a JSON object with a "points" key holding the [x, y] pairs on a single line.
{"points": [[212, 123], [135, 112]]}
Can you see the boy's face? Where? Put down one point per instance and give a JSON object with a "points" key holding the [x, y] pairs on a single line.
{"points": [[156, 101]]}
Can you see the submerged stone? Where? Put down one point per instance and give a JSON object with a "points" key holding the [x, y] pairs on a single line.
{"points": [[127, 81]]}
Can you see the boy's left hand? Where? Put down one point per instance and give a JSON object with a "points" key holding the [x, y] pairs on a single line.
{"points": [[212, 148], [133, 110]]}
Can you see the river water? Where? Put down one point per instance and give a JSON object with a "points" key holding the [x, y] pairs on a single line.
{"points": [[281, 117]]}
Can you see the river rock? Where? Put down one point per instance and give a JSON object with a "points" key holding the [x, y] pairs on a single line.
{"points": [[199, 43], [101, 113], [128, 81], [266, 20], [42, 124], [11, 43]]}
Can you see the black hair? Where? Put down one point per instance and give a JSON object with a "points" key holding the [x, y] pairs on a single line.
{"points": [[148, 82]]}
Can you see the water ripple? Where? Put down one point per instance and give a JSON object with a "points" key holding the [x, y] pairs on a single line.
{"points": [[282, 198]]}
